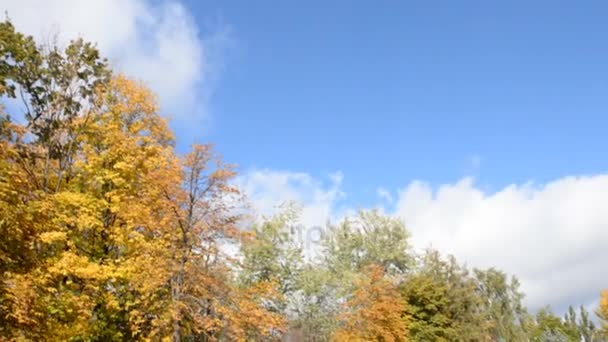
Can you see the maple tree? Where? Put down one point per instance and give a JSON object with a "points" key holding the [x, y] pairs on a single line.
{"points": [[107, 233], [94, 218], [374, 311]]}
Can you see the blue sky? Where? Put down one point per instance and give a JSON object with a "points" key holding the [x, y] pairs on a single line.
{"points": [[481, 124], [392, 91]]}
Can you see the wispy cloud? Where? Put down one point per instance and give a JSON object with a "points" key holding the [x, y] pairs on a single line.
{"points": [[385, 195]]}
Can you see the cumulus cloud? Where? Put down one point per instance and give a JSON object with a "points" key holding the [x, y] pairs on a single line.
{"points": [[154, 41], [552, 236]]}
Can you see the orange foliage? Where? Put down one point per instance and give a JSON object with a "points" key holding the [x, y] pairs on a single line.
{"points": [[602, 311], [373, 313], [247, 316]]}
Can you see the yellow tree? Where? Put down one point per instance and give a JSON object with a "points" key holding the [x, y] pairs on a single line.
{"points": [[58, 89], [128, 244], [128, 161], [95, 233], [374, 311], [105, 234], [202, 217], [602, 311]]}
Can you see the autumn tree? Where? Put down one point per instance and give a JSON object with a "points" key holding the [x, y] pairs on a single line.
{"points": [[58, 88], [374, 311], [206, 301], [106, 233], [602, 311], [96, 235]]}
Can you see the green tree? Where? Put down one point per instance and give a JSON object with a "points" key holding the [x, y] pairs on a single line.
{"points": [[315, 303], [502, 304], [368, 238], [346, 250], [579, 328], [272, 252], [442, 301], [546, 326]]}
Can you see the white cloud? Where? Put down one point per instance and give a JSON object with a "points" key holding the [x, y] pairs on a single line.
{"points": [[553, 237], [154, 41], [267, 190]]}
